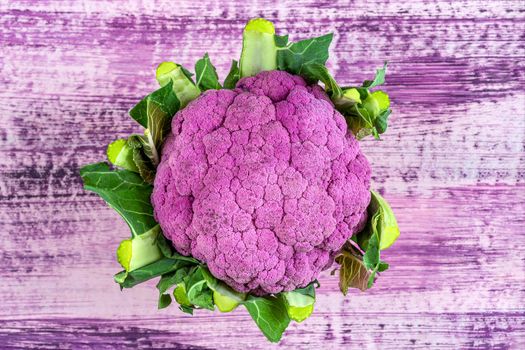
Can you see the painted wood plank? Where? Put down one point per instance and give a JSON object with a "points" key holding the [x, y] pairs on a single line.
{"points": [[363, 330]]}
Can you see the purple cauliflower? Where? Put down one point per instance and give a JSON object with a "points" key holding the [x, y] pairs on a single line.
{"points": [[262, 183]]}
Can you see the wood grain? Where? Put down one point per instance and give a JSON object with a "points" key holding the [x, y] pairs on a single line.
{"points": [[452, 164]]}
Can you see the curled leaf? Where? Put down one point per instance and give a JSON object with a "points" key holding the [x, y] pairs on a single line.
{"points": [[300, 302], [197, 290], [181, 297], [121, 155], [382, 224], [353, 273], [123, 190], [270, 315], [142, 157], [224, 303]]}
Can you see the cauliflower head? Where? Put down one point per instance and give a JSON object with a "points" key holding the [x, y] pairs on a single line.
{"points": [[262, 183]]}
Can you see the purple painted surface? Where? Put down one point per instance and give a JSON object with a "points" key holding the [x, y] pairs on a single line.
{"points": [[452, 165]]}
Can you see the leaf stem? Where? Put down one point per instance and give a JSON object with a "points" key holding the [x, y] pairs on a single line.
{"points": [[154, 152]]}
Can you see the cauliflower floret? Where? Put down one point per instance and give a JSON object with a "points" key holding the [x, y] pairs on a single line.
{"points": [[262, 183]]}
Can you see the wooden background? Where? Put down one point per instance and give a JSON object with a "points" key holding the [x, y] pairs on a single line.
{"points": [[452, 165]]}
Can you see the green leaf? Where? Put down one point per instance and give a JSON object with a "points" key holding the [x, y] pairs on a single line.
{"points": [[164, 301], [163, 99], [121, 277], [182, 84], [352, 95], [383, 266], [186, 309], [381, 222], [352, 273], [300, 302], [347, 103], [292, 58], [171, 279], [145, 273], [259, 52], [381, 121], [314, 72], [308, 291], [197, 290], [158, 110], [367, 113], [371, 257], [224, 296], [270, 315], [358, 119], [206, 74], [372, 278], [167, 250], [379, 79], [376, 103], [141, 157], [233, 76], [124, 191], [387, 225], [383, 101], [139, 113], [224, 303], [159, 125], [380, 232], [281, 40], [182, 298], [121, 155], [186, 73], [221, 287]]}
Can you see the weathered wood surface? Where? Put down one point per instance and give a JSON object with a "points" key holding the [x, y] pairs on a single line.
{"points": [[452, 164]]}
